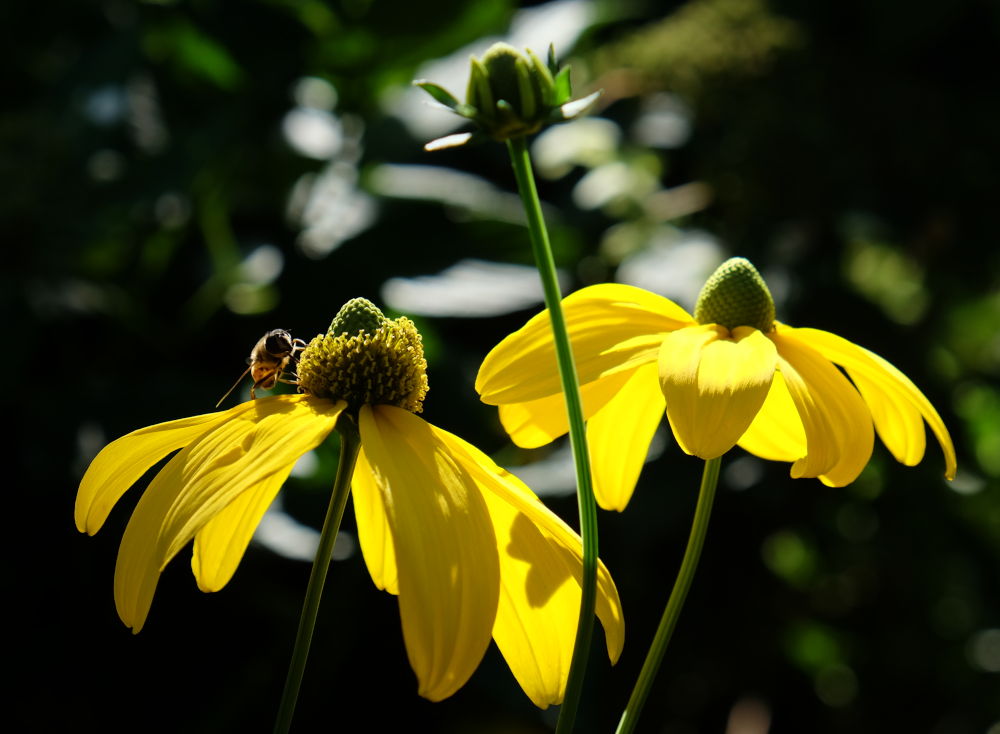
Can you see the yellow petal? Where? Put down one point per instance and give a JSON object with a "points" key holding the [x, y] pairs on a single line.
{"points": [[837, 423], [449, 576], [776, 433], [540, 604], [220, 544], [612, 328], [538, 422], [897, 406], [120, 464], [203, 479], [715, 382], [536, 618], [374, 533], [619, 436]]}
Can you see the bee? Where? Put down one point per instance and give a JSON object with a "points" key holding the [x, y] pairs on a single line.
{"points": [[268, 360]]}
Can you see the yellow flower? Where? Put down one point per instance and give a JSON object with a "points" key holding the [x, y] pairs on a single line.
{"points": [[468, 548], [731, 375]]}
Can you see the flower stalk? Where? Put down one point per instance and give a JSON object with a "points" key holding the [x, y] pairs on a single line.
{"points": [[699, 528], [350, 445], [587, 506]]}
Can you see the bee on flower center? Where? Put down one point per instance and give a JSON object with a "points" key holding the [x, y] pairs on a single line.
{"points": [[268, 360]]}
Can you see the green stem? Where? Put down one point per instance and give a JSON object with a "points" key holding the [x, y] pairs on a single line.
{"points": [[518, 149], [696, 540], [350, 444]]}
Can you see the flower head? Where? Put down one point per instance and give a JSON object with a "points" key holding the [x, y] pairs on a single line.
{"points": [[366, 359], [510, 94], [468, 548], [731, 375]]}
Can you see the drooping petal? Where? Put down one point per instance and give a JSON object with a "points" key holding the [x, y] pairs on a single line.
{"points": [[538, 422], [536, 618], [220, 544], [715, 382], [446, 553], [838, 425], [203, 479], [541, 562], [619, 435], [612, 328], [374, 533], [776, 433], [120, 464], [897, 405]]}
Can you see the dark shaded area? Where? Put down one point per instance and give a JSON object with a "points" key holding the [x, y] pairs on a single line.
{"points": [[850, 150]]}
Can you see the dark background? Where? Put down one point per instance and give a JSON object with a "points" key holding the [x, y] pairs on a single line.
{"points": [[849, 149]]}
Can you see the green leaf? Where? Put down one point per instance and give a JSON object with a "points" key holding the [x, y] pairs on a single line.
{"points": [[194, 52], [553, 64], [564, 89], [438, 92]]}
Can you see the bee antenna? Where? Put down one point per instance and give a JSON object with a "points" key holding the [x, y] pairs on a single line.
{"points": [[235, 385]]}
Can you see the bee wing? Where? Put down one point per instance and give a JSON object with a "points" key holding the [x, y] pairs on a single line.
{"points": [[235, 385]]}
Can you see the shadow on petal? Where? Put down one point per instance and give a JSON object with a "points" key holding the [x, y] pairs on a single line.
{"points": [[544, 576]]}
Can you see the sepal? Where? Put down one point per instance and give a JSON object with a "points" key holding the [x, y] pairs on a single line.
{"points": [[439, 93]]}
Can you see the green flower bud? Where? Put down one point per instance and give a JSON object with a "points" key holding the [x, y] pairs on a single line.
{"points": [[510, 94], [736, 295], [509, 90]]}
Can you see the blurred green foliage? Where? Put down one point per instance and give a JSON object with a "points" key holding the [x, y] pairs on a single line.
{"points": [[182, 176]]}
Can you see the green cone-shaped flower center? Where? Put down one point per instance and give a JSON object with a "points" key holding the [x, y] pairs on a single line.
{"points": [[358, 314], [366, 359], [734, 296]]}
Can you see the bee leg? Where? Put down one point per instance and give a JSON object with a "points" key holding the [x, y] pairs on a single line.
{"points": [[264, 383]]}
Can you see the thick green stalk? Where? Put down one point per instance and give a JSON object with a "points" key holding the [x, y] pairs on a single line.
{"points": [[350, 444], [709, 479], [518, 149]]}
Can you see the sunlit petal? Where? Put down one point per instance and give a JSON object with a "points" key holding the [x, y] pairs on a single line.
{"points": [[612, 328], [538, 422], [204, 478], [523, 597], [619, 436], [715, 382], [220, 544], [897, 406], [449, 576], [374, 533], [837, 423], [120, 464], [776, 432]]}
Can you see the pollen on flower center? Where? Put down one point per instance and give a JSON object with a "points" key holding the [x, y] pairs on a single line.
{"points": [[366, 359], [736, 295]]}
